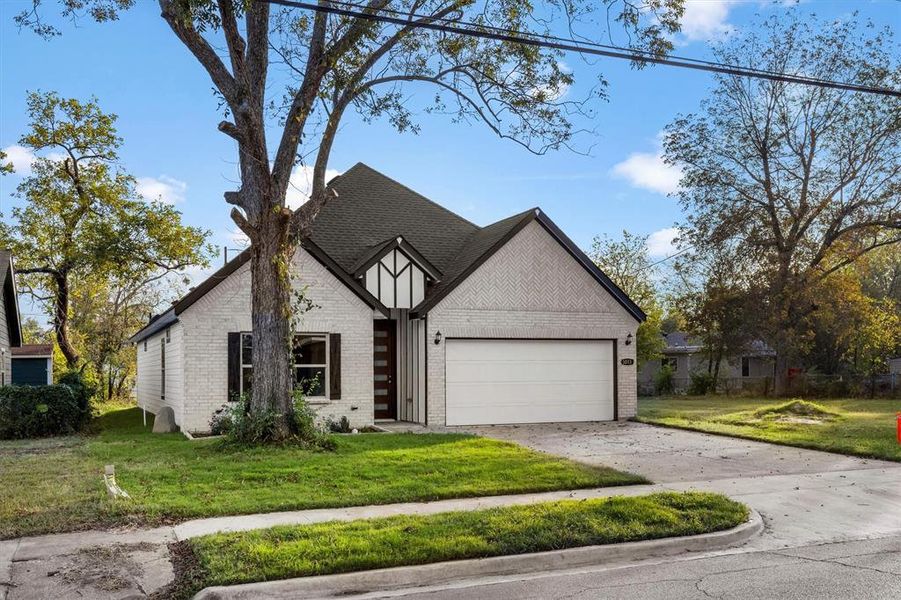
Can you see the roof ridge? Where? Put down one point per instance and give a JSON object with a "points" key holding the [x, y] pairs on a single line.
{"points": [[414, 192]]}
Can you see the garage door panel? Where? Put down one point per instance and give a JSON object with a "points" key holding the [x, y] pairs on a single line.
{"points": [[528, 381], [527, 372]]}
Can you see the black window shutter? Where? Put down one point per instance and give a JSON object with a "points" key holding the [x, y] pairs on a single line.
{"points": [[334, 366], [234, 365]]}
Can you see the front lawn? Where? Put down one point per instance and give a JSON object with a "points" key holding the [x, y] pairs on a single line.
{"points": [[340, 547], [848, 426], [55, 485]]}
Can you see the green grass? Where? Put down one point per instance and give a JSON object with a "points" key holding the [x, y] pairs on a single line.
{"points": [[340, 547], [865, 428], [55, 485]]}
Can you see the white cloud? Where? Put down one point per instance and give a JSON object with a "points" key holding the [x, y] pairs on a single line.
{"points": [[705, 20], [164, 188], [648, 170], [662, 243], [21, 158], [301, 184]]}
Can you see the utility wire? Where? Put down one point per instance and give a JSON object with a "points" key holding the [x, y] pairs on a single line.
{"points": [[546, 41]]}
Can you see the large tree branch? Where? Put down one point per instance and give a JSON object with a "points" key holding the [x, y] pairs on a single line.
{"points": [[177, 14], [39, 270]]}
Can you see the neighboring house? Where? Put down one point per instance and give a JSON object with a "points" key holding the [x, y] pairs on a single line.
{"points": [[10, 326], [422, 317], [894, 365], [32, 364], [685, 355]]}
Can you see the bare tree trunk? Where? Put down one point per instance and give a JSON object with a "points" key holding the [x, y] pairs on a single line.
{"points": [[61, 320], [716, 366], [273, 377]]}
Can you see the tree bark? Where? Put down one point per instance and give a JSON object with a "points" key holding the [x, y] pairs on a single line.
{"points": [[273, 376], [61, 320]]}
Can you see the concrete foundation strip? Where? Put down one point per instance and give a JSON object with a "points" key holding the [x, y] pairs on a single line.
{"points": [[447, 572]]}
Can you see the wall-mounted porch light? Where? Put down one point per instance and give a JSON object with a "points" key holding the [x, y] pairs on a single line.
{"points": [[437, 337], [629, 340]]}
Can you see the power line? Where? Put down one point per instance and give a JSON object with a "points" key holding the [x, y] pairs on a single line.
{"points": [[566, 44]]}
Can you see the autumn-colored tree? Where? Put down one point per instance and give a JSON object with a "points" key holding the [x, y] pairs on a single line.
{"points": [[626, 262], [81, 216], [804, 179], [329, 63]]}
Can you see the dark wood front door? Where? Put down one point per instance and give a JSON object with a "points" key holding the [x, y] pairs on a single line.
{"points": [[383, 362]]}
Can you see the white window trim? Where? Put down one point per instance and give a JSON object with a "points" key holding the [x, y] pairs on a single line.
{"points": [[241, 365], [326, 367]]}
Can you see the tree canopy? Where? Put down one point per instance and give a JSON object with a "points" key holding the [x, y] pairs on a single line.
{"points": [[81, 217], [805, 180]]}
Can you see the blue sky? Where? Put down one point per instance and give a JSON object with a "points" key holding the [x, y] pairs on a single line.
{"points": [[168, 116]]}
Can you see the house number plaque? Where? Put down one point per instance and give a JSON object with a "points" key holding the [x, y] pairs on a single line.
{"points": [[627, 361]]}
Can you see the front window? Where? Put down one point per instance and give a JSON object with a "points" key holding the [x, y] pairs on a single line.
{"points": [[311, 364], [745, 366], [246, 363], [310, 360], [670, 361]]}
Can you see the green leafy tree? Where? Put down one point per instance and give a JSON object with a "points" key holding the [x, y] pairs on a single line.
{"points": [[81, 216], [5, 167], [628, 265], [106, 311], [806, 179], [34, 333], [716, 303], [330, 63]]}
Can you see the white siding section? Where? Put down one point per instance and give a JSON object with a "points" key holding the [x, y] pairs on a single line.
{"points": [[6, 363], [410, 281], [411, 369], [148, 385], [226, 308], [530, 288]]}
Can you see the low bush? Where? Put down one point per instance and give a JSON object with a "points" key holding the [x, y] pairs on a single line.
{"points": [[701, 384], [83, 390], [243, 428], [40, 411], [341, 425], [664, 383]]}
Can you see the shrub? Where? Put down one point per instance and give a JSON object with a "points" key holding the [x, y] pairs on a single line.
{"points": [[342, 425], [241, 427], [663, 383], [39, 411], [83, 390], [700, 384]]}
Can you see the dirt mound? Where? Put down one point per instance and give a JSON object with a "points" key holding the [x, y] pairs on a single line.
{"points": [[797, 411]]}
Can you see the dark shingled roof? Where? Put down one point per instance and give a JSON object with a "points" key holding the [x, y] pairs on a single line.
{"points": [[10, 298], [365, 218], [372, 209]]}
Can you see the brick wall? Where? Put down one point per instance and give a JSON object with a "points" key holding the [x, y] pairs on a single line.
{"points": [[148, 386], [530, 288], [226, 308]]}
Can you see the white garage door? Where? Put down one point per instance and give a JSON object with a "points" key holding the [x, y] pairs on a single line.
{"points": [[492, 382]]}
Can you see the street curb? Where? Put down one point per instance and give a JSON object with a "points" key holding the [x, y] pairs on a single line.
{"points": [[327, 586]]}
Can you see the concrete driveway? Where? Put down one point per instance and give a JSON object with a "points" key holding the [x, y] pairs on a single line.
{"points": [[666, 455], [804, 496]]}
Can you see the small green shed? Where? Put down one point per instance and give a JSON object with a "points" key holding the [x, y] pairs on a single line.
{"points": [[32, 364]]}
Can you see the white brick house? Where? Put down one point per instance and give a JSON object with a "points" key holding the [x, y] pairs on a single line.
{"points": [[423, 317]]}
